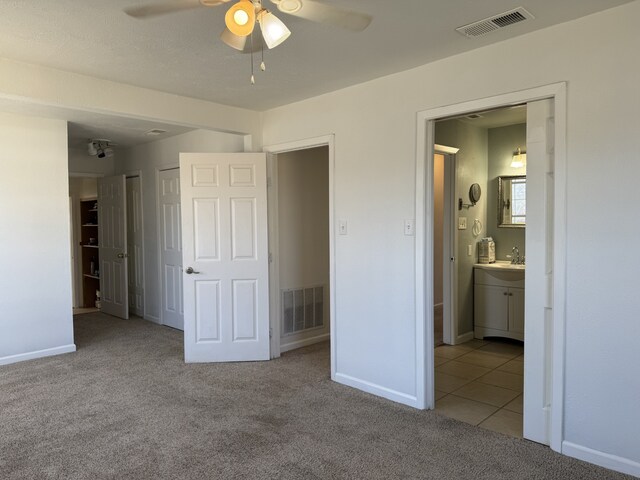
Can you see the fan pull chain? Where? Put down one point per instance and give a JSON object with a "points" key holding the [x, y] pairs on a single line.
{"points": [[253, 79], [263, 67]]}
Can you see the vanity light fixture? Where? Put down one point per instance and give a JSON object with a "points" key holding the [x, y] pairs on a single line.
{"points": [[519, 159]]}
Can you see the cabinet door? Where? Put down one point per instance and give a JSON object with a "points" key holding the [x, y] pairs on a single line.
{"points": [[491, 307], [516, 310]]}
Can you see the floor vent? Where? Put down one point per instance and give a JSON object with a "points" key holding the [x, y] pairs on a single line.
{"points": [[477, 29], [302, 309]]}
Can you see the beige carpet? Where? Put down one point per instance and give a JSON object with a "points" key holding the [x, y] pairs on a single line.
{"points": [[126, 406]]}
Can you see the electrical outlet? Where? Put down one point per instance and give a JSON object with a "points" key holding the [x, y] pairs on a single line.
{"points": [[409, 227], [462, 223], [342, 227]]}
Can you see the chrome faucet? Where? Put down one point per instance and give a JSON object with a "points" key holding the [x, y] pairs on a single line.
{"points": [[515, 256]]}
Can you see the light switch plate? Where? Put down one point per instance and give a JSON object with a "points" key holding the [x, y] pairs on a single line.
{"points": [[469, 250], [342, 227], [462, 223], [409, 227]]}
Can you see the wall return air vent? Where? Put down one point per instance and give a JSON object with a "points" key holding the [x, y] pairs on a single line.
{"points": [[502, 20]]}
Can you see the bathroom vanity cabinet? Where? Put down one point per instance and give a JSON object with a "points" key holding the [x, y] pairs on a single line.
{"points": [[498, 306]]}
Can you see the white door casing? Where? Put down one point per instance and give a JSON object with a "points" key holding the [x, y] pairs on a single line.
{"points": [[224, 236], [554, 364], [112, 241], [539, 240], [171, 311]]}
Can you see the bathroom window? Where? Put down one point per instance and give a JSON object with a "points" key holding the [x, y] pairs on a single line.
{"points": [[518, 201]]}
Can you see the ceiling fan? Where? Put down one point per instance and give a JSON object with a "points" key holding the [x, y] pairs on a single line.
{"points": [[243, 15]]}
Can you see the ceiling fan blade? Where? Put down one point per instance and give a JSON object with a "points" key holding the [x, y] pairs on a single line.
{"points": [[152, 10], [327, 14]]}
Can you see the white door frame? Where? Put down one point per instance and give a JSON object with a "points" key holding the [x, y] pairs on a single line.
{"points": [[274, 271], [424, 242]]}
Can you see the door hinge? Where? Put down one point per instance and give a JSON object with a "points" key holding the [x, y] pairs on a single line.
{"points": [[269, 182], [270, 257], [270, 332]]}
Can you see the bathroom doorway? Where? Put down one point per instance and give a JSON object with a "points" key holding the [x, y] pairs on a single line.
{"points": [[546, 246]]}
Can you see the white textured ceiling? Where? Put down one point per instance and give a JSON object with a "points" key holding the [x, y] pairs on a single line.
{"points": [[181, 53]]}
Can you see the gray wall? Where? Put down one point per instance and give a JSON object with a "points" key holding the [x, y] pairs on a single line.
{"points": [[472, 168], [503, 142]]}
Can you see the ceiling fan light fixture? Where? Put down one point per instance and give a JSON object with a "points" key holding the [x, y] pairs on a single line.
{"points": [[241, 18], [274, 31], [234, 41]]}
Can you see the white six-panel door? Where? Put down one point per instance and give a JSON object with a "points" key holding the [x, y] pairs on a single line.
{"points": [[112, 239], [170, 248], [225, 257]]}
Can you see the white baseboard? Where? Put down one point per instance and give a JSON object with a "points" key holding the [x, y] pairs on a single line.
{"points": [[465, 337], [285, 347], [378, 390], [151, 318], [21, 357], [606, 460]]}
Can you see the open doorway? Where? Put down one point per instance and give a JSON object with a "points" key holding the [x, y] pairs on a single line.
{"points": [[546, 251], [86, 248], [479, 376], [301, 245]]}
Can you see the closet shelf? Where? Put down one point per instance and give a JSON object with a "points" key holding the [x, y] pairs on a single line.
{"points": [[90, 246], [91, 276], [89, 224]]}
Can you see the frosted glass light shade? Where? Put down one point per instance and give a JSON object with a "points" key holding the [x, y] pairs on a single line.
{"points": [[234, 41], [274, 31], [241, 18], [519, 159]]}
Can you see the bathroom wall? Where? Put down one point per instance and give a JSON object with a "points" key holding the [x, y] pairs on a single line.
{"points": [[503, 142], [472, 167]]}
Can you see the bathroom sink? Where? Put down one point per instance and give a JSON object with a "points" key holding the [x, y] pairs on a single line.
{"points": [[500, 265]]}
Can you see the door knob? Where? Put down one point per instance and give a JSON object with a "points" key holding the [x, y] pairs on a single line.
{"points": [[123, 255], [190, 270]]}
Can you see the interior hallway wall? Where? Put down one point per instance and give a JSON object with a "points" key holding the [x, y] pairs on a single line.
{"points": [[35, 284], [374, 124], [303, 228]]}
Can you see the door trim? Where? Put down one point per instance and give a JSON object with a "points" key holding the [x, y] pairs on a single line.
{"points": [[274, 273], [424, 242], [132, 174]]}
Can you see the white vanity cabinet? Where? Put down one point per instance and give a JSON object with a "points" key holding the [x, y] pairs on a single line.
{"points": [[498, 301]]}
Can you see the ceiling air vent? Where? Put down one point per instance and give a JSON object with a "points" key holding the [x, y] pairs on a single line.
{"points": [[482, 27]]}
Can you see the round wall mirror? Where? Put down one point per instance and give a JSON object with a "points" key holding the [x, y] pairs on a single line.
{"points": [[474, 193]]}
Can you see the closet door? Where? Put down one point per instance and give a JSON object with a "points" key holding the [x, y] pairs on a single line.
{"points": [[112, 240]]}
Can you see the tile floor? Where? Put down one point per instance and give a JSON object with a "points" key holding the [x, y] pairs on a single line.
{"points": [[480, 382]]}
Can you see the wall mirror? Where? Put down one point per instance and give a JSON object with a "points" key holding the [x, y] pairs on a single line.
{"points": [[512, 201]]}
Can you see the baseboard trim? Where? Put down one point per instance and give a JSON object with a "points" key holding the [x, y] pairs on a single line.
{"points": [[151, 318], [606, 460], [49, 352], [375, 389], [285, 347], [465, 337]]}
